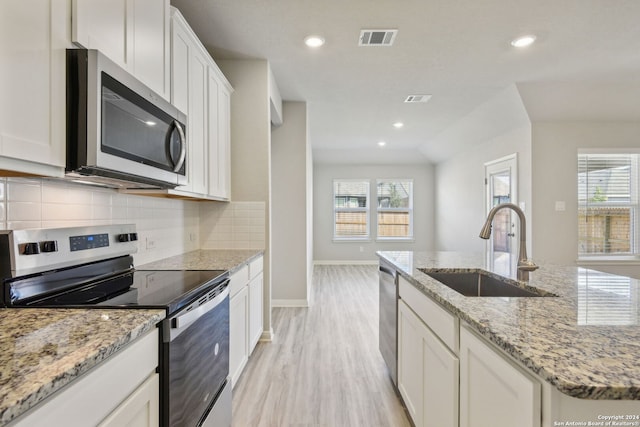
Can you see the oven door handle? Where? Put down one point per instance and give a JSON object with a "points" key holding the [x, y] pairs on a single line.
{"points": [[180, 323]]}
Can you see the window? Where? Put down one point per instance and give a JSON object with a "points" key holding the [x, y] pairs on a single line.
{"points": [[351, 209], [607, 204], [395, 209]]}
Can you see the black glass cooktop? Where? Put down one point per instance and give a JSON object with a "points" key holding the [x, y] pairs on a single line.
{"points": [[109, 285]]}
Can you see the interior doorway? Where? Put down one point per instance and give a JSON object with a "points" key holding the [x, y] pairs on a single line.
{"points": [[501, 183]]}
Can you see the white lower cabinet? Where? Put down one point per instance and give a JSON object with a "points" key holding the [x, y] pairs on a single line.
{"points": [[256, 302], [494, 392], [245, 317], [141, 409], [427, 373], [238, 333], [121, 391]]}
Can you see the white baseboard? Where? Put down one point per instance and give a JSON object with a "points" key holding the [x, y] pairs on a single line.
{"points": [[267, 336], [289, 303], [342, 262]]}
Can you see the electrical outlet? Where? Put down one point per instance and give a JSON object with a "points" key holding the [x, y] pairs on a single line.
{"points": [[361, 248], [151, 243], [192, 237]]}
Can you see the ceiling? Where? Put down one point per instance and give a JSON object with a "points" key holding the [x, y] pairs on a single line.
{"points": [[585, 65]]}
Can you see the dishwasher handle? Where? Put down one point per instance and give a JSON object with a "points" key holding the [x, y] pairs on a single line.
{"points": [[388, 271]]}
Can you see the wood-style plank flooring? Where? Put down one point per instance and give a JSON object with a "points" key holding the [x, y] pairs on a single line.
{"points": [[323, 367]]}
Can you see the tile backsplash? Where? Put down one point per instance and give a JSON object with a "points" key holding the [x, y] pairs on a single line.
{"points": [[166, 227], [235, 225]]}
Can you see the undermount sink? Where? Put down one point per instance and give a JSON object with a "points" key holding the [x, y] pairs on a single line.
{"points": [[479, 284]]}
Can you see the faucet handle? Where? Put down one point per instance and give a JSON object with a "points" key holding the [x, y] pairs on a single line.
{"points": [[527, 265]]}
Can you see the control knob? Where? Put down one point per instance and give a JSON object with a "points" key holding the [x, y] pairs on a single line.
{"points": [[123, 237], [49, 246], [31, 248]]}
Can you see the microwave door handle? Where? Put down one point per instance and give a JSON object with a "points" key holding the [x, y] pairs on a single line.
{"points": [[183, 146]]}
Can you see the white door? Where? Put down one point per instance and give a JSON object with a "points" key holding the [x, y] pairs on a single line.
{"points": [[501, 187]]}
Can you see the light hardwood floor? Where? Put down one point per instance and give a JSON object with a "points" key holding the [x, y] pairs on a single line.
{"points": [[323, 367]]}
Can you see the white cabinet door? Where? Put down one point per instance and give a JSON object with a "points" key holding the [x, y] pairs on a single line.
{"points": [[441, 383], [427, 373], [410, 367], [255, 311], [150, 44], [219, 136], [140, 409], [132, 33], [238, 333], [197, 127], [493, 392], [33, 37], [103, 25]]}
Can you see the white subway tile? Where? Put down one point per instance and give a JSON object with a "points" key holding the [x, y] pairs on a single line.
{"points": [[24, 211], [23, 192]]}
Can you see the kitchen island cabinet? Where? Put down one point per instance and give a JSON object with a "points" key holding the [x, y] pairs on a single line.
{"points": [[530, 361], [77, 367]]}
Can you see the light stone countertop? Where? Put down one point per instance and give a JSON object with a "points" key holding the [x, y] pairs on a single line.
{"points": [[42, 350], [206, 259], [585, 341]]}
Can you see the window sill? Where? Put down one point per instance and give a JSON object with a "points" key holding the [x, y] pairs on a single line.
{"points": [[608, 260], [353, 240], [396, 240]]}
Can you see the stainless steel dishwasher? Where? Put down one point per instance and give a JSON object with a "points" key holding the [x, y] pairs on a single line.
{"points": [[388, 330]]}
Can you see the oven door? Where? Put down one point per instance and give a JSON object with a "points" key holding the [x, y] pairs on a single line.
{"points": [[196, 360]]}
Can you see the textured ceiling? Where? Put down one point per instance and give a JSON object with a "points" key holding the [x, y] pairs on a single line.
{"points": [[456, 50]]}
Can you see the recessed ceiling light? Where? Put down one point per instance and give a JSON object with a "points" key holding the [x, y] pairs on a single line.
{"points": [[314, 41], [523, 41], [382, 144], [398, 125]]}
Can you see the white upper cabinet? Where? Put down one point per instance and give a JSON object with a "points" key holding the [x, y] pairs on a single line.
{"points": [[34, 37], [132, 33], [219, 136], [199, 88]]}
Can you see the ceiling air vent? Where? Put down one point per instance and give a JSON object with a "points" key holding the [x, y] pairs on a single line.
{"points": [[417, 98], [377, 37]]}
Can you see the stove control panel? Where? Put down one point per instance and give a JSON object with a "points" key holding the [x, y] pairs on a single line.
{"points": [[37, 250]]}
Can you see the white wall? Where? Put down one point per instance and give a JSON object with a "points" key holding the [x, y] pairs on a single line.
{"points": [[172, 225], [460, 190], [251, 150], [326, 250], [290, 222], [497, 128], [554, 159]]}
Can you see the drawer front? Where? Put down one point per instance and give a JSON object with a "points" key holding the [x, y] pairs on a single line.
{"points": [[238, 280], [255, 267], [444, 324]]}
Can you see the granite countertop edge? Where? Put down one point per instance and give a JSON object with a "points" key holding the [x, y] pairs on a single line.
{"points": [[446, 298], [230, 260], [74, 364]]}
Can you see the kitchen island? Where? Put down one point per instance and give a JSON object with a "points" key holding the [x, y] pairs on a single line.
{"points": [[44, 350], [582, 345]]}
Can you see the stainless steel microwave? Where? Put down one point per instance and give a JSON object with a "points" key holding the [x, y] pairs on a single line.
{"points": [[120, 133]]}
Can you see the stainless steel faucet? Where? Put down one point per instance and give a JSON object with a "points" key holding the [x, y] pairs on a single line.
{"points": [[524, 265]]}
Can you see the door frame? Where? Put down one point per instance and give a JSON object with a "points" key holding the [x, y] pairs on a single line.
{"points": [[507, 163]]}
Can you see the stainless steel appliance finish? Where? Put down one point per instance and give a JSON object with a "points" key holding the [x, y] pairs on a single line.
{"points": [[388, 318], [119, 132], [92, 267]]}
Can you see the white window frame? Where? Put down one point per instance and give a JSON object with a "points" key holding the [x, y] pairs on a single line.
{"points": [[366, 210], [634, 255], [410, 237]]}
